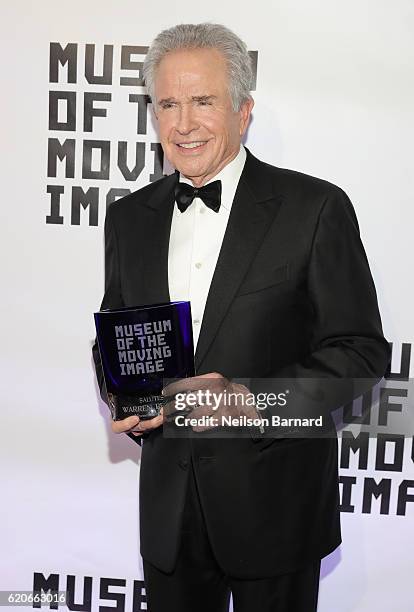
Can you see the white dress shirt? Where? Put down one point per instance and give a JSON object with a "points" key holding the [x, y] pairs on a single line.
{"points": [[195, 242]]}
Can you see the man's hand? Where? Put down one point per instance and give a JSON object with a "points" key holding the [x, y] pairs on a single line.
{"points": [[219, 397], [134, 425]]}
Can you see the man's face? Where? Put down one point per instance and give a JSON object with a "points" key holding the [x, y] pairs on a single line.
{"points": [[199, 130]]}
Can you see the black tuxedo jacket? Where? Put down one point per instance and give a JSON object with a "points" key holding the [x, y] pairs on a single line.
{"points": [[292, 295]]}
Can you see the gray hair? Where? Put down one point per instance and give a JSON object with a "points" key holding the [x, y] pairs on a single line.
{"points": [[204, 35]]}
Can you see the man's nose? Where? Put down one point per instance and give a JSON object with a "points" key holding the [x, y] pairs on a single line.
{"points": [[186, 120]]}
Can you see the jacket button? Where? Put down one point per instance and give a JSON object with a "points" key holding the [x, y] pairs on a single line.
{"points": [[183, 463]]}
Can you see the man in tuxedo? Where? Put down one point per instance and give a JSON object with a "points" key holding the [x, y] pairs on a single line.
{"points": [[280, 288]]}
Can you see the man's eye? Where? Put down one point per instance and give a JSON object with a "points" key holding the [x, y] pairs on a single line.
{"points": [[167, 105], [204, 103]]}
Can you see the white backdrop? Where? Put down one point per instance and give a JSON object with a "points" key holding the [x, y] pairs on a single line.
{"points": [[334, 99]]}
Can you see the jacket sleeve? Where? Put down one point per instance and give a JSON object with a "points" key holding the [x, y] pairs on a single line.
{"points": [[112, 296], [348, 352]]}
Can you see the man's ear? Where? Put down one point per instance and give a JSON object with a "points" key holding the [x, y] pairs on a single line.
{"points": [[245, 111]]}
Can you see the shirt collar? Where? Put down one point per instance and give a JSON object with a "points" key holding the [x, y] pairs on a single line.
{"points": [[229, 177]]}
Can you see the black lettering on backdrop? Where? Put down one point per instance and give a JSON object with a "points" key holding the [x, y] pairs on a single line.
{"points": [[397, 462], [64, 152], [96, 154], [389, 456], [128, 64], [67, 100], [40, 583], [139, 601], [372, 489], [364, 416], [104, 148], [385, 406], [386, 425], [90, 111], [253, 59], [404, 496], [347, 483], [358, 444], [404, 373], [86, 199], [158, 161], [55, 193], [131, 175], [142, 102], [108, 58], [60, 56], [80, 592], [105, 594], [85, 605]]}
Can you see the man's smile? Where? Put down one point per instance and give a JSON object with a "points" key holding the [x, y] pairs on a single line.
{"points": [[191, 147]]}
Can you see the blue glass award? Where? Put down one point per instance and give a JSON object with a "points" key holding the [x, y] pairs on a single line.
{"points": [[139, 348]]}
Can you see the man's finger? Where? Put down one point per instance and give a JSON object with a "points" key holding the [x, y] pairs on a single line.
{"points": [[125, 424], [150, 424]]}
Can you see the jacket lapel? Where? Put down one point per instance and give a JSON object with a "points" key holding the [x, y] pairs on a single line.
{"points": [[156, 218], [254, 207]]}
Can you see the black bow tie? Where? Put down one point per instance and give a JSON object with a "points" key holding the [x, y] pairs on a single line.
{"points": [[210, 194]]}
